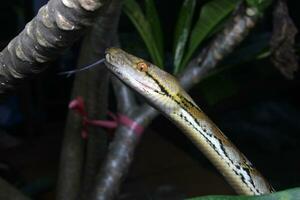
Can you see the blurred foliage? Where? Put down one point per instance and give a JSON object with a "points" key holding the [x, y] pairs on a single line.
{"points": [[212, 13], [261, 5], [147, 27], [187, 37], [182, 31], [291, 194], [152, 17]]}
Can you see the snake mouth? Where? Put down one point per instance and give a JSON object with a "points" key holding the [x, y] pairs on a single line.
{"points": [[145, 87]]}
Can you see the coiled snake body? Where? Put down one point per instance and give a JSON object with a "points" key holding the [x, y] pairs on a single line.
{"points": [[164, 92]]}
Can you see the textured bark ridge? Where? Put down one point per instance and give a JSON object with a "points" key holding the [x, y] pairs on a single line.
{"points": [[57, 25], [282, 44], [80, 159], [233, 33]]}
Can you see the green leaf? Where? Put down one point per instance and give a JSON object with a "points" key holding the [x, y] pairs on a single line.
{"points": [[153, 18], [291, 194], [211, 15], [135, 14], [182, 31]]}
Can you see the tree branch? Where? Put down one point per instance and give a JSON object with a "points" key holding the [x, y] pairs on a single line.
{"points": [[120, 154], [92, 86], [234, 32], [57, 25], [100, 37], [123, 92]]}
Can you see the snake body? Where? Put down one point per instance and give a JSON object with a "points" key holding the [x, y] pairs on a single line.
{"points": [[163, 91]]}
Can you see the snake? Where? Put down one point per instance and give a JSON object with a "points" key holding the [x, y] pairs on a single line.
{"points": [[163, 91]]}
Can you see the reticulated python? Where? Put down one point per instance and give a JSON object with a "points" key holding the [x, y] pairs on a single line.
{"points": [[163, 91]]}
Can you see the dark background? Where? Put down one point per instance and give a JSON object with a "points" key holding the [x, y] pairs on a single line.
{"points": [[251, 102]]}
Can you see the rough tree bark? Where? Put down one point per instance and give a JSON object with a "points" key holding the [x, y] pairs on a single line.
{"points": [[122, 148], [92, 85], [57, 25], [100, 37]]}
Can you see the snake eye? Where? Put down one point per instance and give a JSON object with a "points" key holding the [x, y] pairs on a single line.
{"points": [[142, 66]]}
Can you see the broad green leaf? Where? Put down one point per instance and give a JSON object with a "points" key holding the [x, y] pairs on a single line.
{"points": [[291, 194], [182, 31], [211, 15], [153, 18], [135, 14]]}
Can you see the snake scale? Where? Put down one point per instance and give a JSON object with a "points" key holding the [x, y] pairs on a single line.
{"points": [[164, 92]]}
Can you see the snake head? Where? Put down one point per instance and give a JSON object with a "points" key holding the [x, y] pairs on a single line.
{"points": [[156, 85]]}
